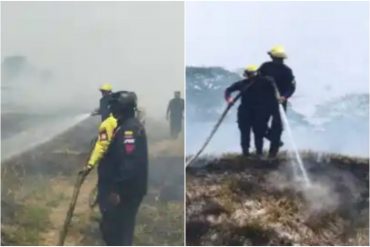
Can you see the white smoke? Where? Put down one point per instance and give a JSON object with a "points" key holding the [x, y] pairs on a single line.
{"points": [[134, 46]]}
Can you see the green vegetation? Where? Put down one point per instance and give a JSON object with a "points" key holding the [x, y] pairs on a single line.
{"points": [[160, 223], [37, 187], [27, 226]]}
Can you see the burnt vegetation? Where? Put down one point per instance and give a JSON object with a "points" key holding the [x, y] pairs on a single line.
{"points": [[244, 201]]}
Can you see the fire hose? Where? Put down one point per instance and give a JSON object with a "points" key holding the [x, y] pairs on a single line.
{"points": [[79, 181], [222, 117]]}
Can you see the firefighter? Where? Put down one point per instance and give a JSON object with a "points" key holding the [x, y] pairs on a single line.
{"points": [[103, 111], [285, 82], [122, 170], [257, 102], [175, 111]]}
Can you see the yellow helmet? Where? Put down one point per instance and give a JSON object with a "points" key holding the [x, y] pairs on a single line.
{"points": [[106, 87], [251, 68], [277, 51]]}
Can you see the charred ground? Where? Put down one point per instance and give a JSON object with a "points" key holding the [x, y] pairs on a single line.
{"points": [[238, 201]]}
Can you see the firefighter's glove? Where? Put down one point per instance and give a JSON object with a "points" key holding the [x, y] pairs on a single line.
{"points": [[86, 169], [230, 100], [282, 99]]}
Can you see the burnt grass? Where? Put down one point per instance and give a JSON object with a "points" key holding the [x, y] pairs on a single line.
{"points": [[244, 201], [37, 186]]}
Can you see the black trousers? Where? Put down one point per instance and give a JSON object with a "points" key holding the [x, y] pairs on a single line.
{"points": [[275, 131], [118, 222], [175, 126], [255, 119]]}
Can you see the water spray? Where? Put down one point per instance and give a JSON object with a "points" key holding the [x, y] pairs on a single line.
{"points": [[31, 138], [291, 139], [294, 146]]}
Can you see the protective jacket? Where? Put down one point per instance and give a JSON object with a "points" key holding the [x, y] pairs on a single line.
{"points": [[176, 108], [282, 75], [124, 167], [260, 93], [106, 130]]}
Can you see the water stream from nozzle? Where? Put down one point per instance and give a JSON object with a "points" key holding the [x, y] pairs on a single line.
{"points": [[294, 146], [30, 138]]}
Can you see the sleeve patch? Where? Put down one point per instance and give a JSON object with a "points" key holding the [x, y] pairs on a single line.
{"points": [[129, 141], [129, 133], [129, 147]]}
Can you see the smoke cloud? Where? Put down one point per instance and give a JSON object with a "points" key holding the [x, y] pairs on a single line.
{"points": [[71, 48]]}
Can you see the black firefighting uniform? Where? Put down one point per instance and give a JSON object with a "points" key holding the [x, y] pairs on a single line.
{"points": [[123, 170], [285, 82], [257, 104], [175, 110]]}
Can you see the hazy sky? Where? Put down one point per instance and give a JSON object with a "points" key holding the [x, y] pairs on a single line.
{"points": [[327, 42], [133, 45], [139, 45]]}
